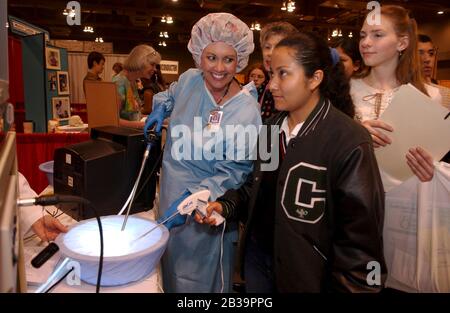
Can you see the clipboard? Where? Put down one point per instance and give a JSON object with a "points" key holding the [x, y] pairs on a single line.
{"points": [[417, 121]]}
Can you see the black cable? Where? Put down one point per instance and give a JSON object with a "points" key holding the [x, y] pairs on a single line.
{"points": [[60, 280], [158, 160], [63, 212], [100, 262], [52, 200]]}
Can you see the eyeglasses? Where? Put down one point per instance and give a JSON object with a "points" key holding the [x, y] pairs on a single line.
{"points": [[257, 76]]}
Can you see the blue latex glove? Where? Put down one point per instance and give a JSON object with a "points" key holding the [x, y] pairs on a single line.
{"points": [[177, 220], [156, 117]]}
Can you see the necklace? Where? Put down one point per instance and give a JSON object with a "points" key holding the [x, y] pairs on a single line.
{"points": [[225, 93]]}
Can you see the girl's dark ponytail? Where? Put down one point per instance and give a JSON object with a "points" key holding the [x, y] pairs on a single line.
{"points": [[337, 89]]}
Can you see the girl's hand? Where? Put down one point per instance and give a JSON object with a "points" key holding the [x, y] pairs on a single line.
{"points": [[216, 206], [421, 163], [379, 139]]}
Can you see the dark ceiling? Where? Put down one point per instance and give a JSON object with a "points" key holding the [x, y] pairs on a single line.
{"points": [[130, 22]]}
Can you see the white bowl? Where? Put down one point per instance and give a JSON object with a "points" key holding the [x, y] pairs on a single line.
{"points": [[125, 259], [47, 168]]}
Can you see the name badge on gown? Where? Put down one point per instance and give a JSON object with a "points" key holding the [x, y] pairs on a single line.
{"points": [[215, 117]]}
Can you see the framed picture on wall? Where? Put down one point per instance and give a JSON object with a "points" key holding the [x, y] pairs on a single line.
{"points": [[52, 80], [52, 58], [63, 82], [61, 107]]}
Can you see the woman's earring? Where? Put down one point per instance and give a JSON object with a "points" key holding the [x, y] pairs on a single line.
{"points": [[400, 53]]}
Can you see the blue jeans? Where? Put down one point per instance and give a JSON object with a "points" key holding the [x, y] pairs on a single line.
{"points": [[258, 267]]}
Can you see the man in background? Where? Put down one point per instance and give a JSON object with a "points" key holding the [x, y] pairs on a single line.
{"points": [[427, 54], [96, 64]]}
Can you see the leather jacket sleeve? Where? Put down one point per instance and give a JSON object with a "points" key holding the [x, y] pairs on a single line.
{"points": [[235, 201], [358, 229]]}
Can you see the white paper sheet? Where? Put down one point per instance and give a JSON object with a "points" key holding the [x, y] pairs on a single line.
{"points": [[417, 121]]}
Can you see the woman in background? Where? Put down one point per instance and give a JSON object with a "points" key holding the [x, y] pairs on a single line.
{"points": [[348, 49], [117, 68], [270, 35], [150, 88], [259, 76], [140, 62]]}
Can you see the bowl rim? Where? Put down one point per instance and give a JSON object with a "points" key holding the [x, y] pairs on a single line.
{"points": [[87, 258], [43, 169]]}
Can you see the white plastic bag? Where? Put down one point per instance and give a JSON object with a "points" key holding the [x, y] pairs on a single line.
{"points": [[417, 234]]}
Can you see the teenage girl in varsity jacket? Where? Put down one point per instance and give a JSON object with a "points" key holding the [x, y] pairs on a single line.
{"points": [[314, 224]]}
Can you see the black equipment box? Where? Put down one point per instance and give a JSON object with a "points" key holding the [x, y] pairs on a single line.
{"points": [[104, 169]]}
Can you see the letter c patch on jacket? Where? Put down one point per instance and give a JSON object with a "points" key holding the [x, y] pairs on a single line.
{"points": [[304, 193]]}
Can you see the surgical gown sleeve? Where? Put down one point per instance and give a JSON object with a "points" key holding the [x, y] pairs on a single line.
{"points": [[167, 98], [231, 174]]}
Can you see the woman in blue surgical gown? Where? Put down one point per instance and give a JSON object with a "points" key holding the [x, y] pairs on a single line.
{"points": [[208, 111]]}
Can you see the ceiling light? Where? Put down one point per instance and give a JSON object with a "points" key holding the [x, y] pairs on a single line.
{"points": [[166, 35], [255, 26], [290, 6], [99, 39], [167, 19], [440, 12], [88, 29], [283, 7], [340, 33], [350, 34], [69, 12]]}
